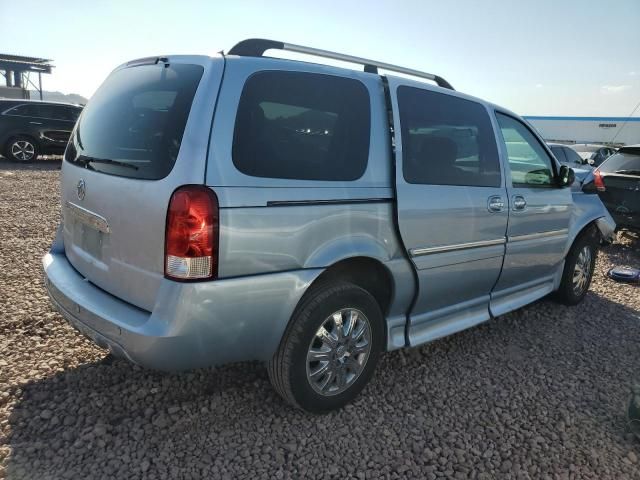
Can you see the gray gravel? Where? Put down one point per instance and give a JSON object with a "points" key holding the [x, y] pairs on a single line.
{"points": [[539, 393]]}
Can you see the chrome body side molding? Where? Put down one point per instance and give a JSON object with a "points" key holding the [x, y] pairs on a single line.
{"points": [[534, 236], [417, 252]]}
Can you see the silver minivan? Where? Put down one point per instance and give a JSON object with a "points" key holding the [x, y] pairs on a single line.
{"points": [[241, 207]]}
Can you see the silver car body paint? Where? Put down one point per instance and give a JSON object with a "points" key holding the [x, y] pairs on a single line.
{"points": [[451, 265]]}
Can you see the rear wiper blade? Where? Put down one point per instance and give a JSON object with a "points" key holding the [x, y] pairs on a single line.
{"points": [[628, 172], [88, 160]]}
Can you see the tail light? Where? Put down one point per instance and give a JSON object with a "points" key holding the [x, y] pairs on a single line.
{"points": [[598, 181], [191, 237]]}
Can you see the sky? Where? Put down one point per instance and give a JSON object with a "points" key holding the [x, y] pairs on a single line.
{"points": [[535, 57]]}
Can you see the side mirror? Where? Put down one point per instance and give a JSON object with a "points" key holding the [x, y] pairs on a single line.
{"points": [[566, 176]]}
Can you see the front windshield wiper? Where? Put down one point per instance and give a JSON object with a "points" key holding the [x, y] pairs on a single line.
{"points": [[87, 160], [628, 172]]}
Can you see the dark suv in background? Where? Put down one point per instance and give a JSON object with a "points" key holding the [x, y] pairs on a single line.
{"points": [[29, 128], [617, 182]]}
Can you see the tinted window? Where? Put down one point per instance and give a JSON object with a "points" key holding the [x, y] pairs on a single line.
{"points": [[446, 140], [302, 126], [559, 152], [529, 163], [44, 111], [623, 163], [572, 156], [137, 117], [24, 111], [67, 114]]}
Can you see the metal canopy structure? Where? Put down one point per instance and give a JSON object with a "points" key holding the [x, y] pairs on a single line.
{"points": [[17, 70]]}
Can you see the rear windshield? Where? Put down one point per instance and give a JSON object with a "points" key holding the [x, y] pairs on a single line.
{"points": [[622, 163], [133, 125]]}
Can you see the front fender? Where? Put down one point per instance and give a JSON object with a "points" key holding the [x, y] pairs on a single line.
{"points": [[589, 209]]}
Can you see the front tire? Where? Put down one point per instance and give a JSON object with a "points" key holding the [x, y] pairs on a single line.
{"points": [[21, 149], [578, 269], [330, 349]]}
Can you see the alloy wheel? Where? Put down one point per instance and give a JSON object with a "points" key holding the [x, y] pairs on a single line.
{"points": [[338, 352], [23, 150], [582, 270]]}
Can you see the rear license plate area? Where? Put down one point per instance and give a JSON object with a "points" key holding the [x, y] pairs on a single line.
{"points": [[88, 239]]}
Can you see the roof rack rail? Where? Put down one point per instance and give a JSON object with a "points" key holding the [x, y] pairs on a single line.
{"points": [[255, 47]]}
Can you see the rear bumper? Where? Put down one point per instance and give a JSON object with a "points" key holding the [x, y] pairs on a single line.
{"points": [[192, 324]]}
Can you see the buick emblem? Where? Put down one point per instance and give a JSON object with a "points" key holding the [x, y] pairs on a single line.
{"points": [[81, 189]]}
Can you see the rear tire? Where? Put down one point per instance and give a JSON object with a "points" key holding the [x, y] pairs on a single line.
{"points": [[330, 349], [21, 149], [578, 269]]}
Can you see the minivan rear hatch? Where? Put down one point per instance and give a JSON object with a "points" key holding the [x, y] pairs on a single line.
{"points": [[143, 134]]}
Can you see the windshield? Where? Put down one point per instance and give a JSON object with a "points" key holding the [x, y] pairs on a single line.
{"points": [[622, 163], [136, 119]]}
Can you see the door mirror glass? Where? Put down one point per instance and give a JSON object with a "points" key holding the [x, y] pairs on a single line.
{"points": [[566, 176]]}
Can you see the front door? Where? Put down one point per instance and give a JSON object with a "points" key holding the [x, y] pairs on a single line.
{"points": [[539, 215], [452, 206]]}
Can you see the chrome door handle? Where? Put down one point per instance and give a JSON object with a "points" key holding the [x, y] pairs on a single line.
{"points": [[495, 204], [35, 123], [519, 203]]}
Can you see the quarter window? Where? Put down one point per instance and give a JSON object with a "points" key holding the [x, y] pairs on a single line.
{"points": [[529, 163], [446, 140], [302, 126]]}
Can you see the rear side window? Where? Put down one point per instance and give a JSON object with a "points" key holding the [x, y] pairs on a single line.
{"points": [[134, 123], [24, 111], [622, 163], [68, 114], [302, 126], [45, 111], [446, 140]]}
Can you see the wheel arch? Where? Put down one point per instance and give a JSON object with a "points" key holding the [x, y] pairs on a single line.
{"points": [[594, 227], [7, 138], [4, 144], [589, 212], [367, 273]]}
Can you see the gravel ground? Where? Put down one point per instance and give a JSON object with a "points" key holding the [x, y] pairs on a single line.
{"points": [[539, 393]]}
